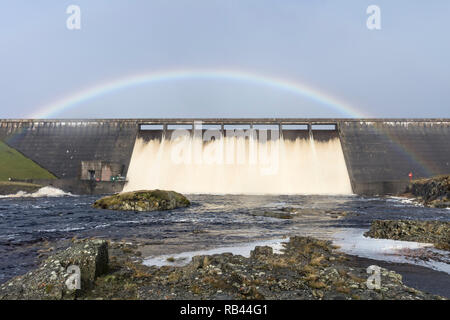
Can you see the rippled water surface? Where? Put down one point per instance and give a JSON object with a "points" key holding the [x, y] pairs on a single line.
{"points": [[213, 220]]}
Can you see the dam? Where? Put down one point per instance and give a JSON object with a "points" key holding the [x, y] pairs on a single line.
{"points": [[361, 156]]}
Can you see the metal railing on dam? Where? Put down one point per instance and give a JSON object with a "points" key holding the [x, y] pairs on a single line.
{"points": [[77, 122], [218, 120], [379, 153]]}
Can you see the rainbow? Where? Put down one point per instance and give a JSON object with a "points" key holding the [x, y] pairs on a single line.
{"points": [[408, 152], [297, 88], [293, 87]]}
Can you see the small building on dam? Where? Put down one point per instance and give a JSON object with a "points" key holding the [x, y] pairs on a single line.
{"points": [[97, 170], [98, 156]]}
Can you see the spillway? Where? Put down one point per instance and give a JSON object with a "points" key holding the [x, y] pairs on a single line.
{"points": [[239, 164]]}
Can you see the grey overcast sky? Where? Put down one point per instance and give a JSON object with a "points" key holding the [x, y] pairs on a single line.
{"points": [[402, 70]]}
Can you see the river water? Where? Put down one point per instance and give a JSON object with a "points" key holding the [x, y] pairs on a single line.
{"points": [[32, 222]]}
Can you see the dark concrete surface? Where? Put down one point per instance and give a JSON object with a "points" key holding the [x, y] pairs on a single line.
{"points": [[380, 155], [60, 146]]}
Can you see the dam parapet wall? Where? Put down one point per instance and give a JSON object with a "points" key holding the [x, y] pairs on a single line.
{"points": [[379, 153]]}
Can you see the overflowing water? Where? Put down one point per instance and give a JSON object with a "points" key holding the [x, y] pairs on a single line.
{"points": [[239, 165]]}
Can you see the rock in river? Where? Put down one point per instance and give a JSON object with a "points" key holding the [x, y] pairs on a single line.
{"points": [[437, 232], [143, 200], [279, 214], [433, 192]]}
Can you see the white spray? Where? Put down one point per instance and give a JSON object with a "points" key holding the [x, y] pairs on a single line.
{"points": [[239, 163]]}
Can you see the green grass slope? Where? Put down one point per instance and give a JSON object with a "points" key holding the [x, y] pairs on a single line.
{"points": [[15, 165]]}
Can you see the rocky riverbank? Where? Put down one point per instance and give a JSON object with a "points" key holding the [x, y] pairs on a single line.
{"points": [[433, 192], [144, 200], [435, 232], [13, 187], [307, 268]]}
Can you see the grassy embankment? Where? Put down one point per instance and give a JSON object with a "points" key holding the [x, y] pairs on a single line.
{"points": [[15, 165]]}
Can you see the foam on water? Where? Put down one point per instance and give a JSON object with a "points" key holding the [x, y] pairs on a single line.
{"points": [[184, 258], [353, 242], [404, 200], [42, 192], [67, 229]]}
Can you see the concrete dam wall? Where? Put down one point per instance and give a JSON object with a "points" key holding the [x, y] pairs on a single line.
{"points": [[379, 153], [62, 147]]}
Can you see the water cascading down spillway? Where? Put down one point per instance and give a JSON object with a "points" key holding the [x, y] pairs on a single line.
{"points": [[261, 160]]}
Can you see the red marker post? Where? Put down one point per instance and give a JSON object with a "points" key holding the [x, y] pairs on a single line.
{"points": [[410, 175]]}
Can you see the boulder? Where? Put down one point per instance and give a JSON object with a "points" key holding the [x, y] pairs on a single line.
{"points": [[143, 200], [433, 192], [278, 214], [57, 276], [261, 251]]}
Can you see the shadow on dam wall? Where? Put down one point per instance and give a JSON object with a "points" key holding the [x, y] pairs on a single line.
{"points": [[379, 153]]}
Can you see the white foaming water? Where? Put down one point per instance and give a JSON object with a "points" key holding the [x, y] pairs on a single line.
{"points": [[234, 165], [184, 258], [67, 229], [354, 242], [404, 200], [42, 192]]}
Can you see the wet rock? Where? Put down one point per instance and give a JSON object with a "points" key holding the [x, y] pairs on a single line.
{"points": [[433, 192], [437, 232], [54, 279], [261, 251], [279, 214], [144, 200]]}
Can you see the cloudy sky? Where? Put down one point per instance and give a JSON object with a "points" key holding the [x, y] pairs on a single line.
{"points": [[262, 58]]}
